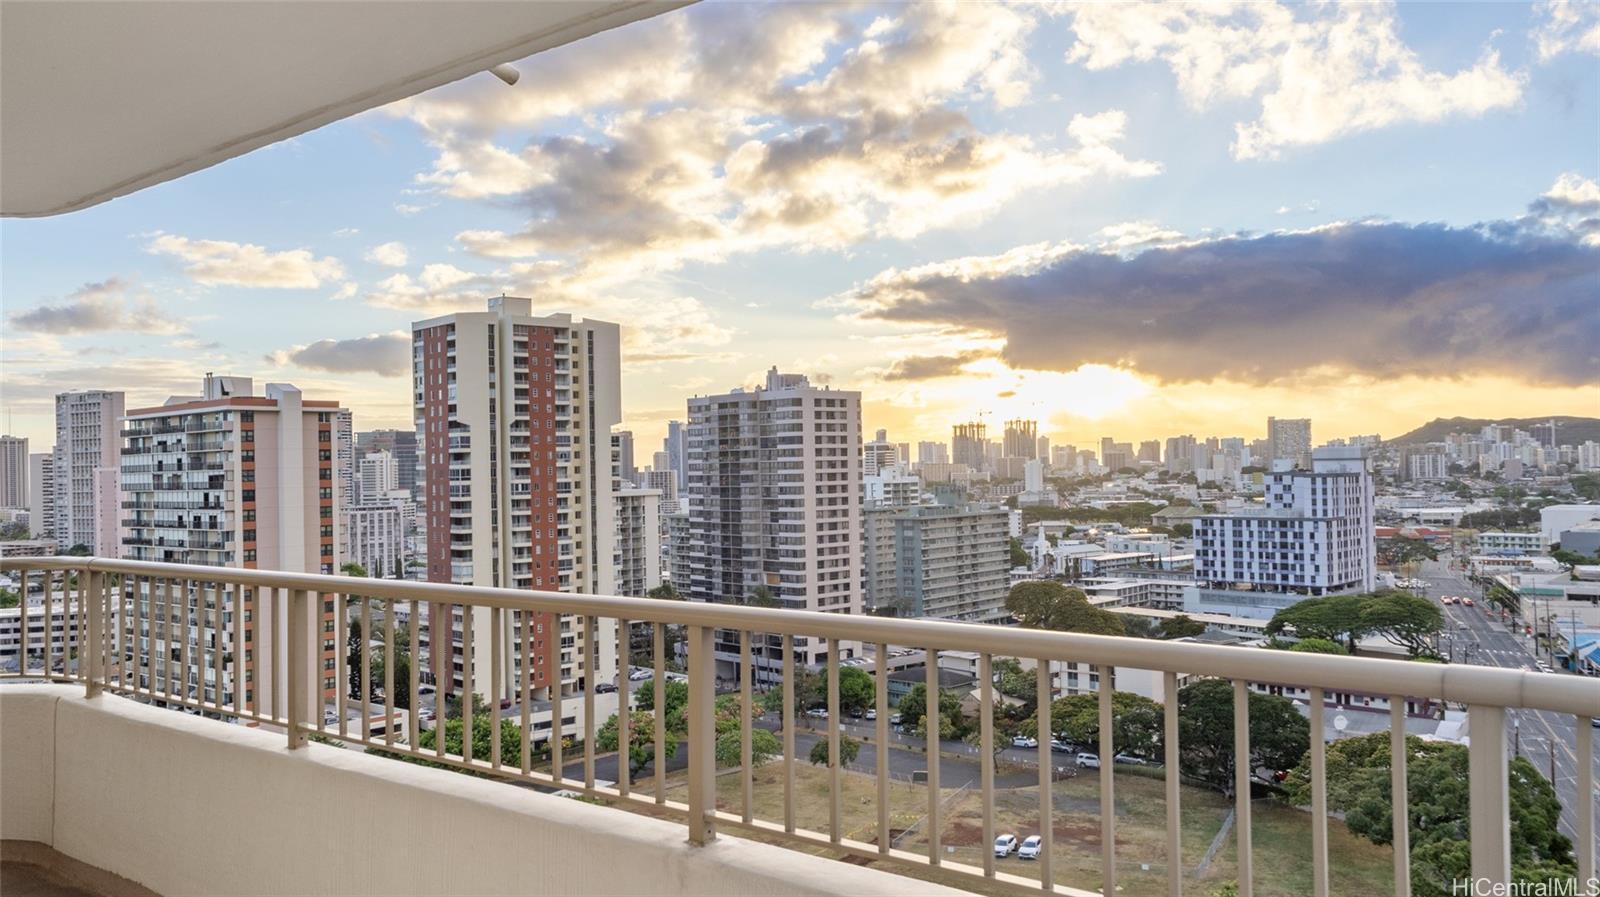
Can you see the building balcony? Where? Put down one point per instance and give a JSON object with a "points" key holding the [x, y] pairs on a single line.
{"points": [[141, 792]]}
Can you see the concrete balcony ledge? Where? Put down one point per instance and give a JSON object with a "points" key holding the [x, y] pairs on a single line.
{"points": [[183, 805]]}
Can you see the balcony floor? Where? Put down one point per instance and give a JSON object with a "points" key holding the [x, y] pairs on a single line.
{"points": [[28, 880]]}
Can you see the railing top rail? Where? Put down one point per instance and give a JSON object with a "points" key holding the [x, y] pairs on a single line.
{"points": [[1451, 682]]}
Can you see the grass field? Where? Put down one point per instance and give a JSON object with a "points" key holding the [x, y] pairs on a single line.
{"points": [[1282, 835]]}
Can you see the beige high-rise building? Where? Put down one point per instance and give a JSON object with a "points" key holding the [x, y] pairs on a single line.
{"points": [[86, 439], [13, 472], [514, 415], [42, 495], [228, 478], [774, 501]]}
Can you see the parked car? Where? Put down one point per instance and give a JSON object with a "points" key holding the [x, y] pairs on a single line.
{"points": [[818, 712], [1059, 746], [1005, 845], [604, 688], [1024, 741], [1130, 760], [1030, 848], [894, 720], [872, 714], [640, 675], [1089, 761]]}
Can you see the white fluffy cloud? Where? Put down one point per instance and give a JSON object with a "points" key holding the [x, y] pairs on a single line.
{"points": [[392, 254], [729, 128], [1566, 26], [223, 263], [98, 307], [1321, 72]]}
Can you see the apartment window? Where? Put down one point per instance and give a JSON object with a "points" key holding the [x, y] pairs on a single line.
{"points": [[324, 454], [249, 535], [247, 454], [247, 476], [248, 515], [325, 492], [247, 416], [247, 495], [249, 554], [247, 435]]}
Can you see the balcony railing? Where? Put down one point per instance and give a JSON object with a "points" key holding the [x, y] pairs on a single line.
{"points": [[286, 610]]}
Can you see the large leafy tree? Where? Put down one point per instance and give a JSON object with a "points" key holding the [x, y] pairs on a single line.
{"points": [[913, 712], [1359, 787], [1404, 619], [1317, 646], [1046, 604], [1336, 618], [482, 732], [1136, 724], [849, 749], [641, 739], [1279, 735], [1181, 626]]}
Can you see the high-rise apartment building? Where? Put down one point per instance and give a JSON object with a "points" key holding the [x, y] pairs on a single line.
{"points": [[86, 439], [515, 414], [13, 472], [1021, 439], [1313, 536], [968, 445], [879, 455], [42, 495], [375, 538], [677, 449], [231, 479], [1150, 450], [1289, 439], [622, 444], [947, 562], [933, 453], [637, 556], [774, 501], [1042, 449], [344, 457], [377, 475], [402, 444], [107, 509]]}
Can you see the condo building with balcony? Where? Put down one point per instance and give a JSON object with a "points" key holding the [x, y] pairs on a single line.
{"points": [[514, 415], [86, 441], [226, 478]]}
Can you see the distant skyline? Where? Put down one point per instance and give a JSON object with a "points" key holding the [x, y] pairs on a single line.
{"points": [[1116, 219]]}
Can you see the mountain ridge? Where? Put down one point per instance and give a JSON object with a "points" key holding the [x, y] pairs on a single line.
{"points": [[1570, 430]]}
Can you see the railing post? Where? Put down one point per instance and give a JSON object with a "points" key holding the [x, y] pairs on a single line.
{"points": [[297, 681], [91, 646], [1489, 785], [702, 736]]}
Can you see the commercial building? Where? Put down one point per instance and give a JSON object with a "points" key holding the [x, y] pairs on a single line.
{"points": [[402, 444], [13, 472], [1556, 519], [86, 439], [774, 501], [227, 478], [1313, 535], [1511, 543], [1288, 439], [515, 414]]}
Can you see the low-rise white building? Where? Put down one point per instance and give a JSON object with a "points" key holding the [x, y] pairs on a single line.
{"points": [[1511, 543]]}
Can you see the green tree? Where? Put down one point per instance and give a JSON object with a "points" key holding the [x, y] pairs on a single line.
{"points": [[1019, 555], [1279, 735], [1359, 787], [1136, 722], [665, 592], [482, 732], [676, 695], [79, 550], [849, 749], [1404, 619], [913, 710], [9, 598], [1045, 604], [763, 747], [353, 569], [808, 693], [1317, 646], [1334, 617], [761, 596], [641, 740], [857, 689], [1181, 626], [1015, 682]]}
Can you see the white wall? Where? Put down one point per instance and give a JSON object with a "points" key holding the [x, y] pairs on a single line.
{"points": [[184, 806]]}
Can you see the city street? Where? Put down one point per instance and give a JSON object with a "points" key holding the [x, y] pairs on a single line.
{"points": [[1473, 637]]}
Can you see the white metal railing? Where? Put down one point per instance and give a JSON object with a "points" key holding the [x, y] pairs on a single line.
{"points": [[264, 632]]}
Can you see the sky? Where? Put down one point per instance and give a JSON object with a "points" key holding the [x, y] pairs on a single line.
{"points": [[1117, 219]]}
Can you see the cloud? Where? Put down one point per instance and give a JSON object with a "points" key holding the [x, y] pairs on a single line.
{"points": [[1571, 207], [731, 128], [347, 231], [1566, 26], [1321, 72], [928, 367], [1377, 299], [437, 287], [98, 307], [221, 263], [392, 254], [384, 354]]}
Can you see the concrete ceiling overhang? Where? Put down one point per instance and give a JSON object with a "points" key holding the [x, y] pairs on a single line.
{"points": [[99, 98]]}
